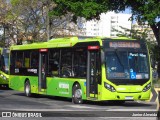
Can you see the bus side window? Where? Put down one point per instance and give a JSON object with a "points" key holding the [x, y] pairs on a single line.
{"points": [[80, 63], [27, 59], [66, 63], [53, 62], [34, 59], [18, 63], [34, 63], [19, 60]]}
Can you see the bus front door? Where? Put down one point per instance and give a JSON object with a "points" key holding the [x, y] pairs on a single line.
{"points": [[93, 70], [42, 71]]}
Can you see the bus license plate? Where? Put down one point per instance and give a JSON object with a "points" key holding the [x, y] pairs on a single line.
{"points": [[129, 98]]}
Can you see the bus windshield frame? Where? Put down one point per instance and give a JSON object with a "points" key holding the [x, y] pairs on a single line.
{"points": [[126, 62]]}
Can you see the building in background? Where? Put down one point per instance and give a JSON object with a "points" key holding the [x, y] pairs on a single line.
{"points": [[144, 28], [108, 25]]}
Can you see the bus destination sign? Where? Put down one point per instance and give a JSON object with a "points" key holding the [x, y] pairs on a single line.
{"points": [[124, 44]]}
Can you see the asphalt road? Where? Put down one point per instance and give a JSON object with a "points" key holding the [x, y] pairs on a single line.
{"points": [[19, 106]]}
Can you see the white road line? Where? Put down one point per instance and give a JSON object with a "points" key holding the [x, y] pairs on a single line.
{"points": [[153, 110], [39, 110], [87, 107], [79, 106]]}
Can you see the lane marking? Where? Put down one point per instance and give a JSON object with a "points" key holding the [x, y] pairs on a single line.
{"points": [[78, 106]]}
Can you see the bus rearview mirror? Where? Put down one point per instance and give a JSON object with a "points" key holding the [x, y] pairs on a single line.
{"points": [[153, 62], [102, 57]]}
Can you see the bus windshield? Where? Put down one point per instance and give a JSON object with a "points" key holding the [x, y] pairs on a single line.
{"points": [[126, 64], [6, 62]]}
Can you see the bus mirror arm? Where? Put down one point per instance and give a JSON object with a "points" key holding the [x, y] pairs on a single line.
{"points": [[102, 57], [153, 62], [99, 79]]}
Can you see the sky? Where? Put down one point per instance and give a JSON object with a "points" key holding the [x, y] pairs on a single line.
{"points": [[127, 11]]}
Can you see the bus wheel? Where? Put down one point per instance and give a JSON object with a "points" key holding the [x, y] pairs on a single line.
{"points": [[27, 89], [121, 102], [117, 102], [77, 94]]}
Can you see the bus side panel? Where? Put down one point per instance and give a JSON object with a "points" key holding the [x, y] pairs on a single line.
{"points": [[63, 86], [3, 78], [34, 84], [18, 83]]}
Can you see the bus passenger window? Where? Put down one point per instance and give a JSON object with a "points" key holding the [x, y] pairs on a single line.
{"points": [[34, 59], [66, 63], [80, 63], [34, 63], [18, 63], [53, 62]]}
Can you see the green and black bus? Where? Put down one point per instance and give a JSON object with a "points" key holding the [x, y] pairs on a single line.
{"points": [[4, 67], [83, 68]]}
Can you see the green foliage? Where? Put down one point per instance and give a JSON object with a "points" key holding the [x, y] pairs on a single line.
{"points": [[88, 9], [142, 9], [15, 2]]}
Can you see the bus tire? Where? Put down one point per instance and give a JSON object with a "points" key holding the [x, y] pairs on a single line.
{"points": [[27, 89], [77, 94], [121, 102], [116, 102]]}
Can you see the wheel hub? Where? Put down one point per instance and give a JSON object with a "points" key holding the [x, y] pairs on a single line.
{"points": [[78, 93], [27, 89]]}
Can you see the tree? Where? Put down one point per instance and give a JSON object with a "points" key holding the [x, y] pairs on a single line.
{"points": [[4, 8], [28, 17], [28, 20], [142, 11]]}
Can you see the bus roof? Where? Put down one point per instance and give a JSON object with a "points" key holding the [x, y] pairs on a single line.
{"points": [[63, 42]]}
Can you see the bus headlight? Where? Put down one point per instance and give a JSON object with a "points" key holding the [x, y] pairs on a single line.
{"points": [[4, 77], [109, 87], [147, 87]]}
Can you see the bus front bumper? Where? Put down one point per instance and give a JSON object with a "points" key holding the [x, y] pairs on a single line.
{"points": [[4, 82], [127, 96]]}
